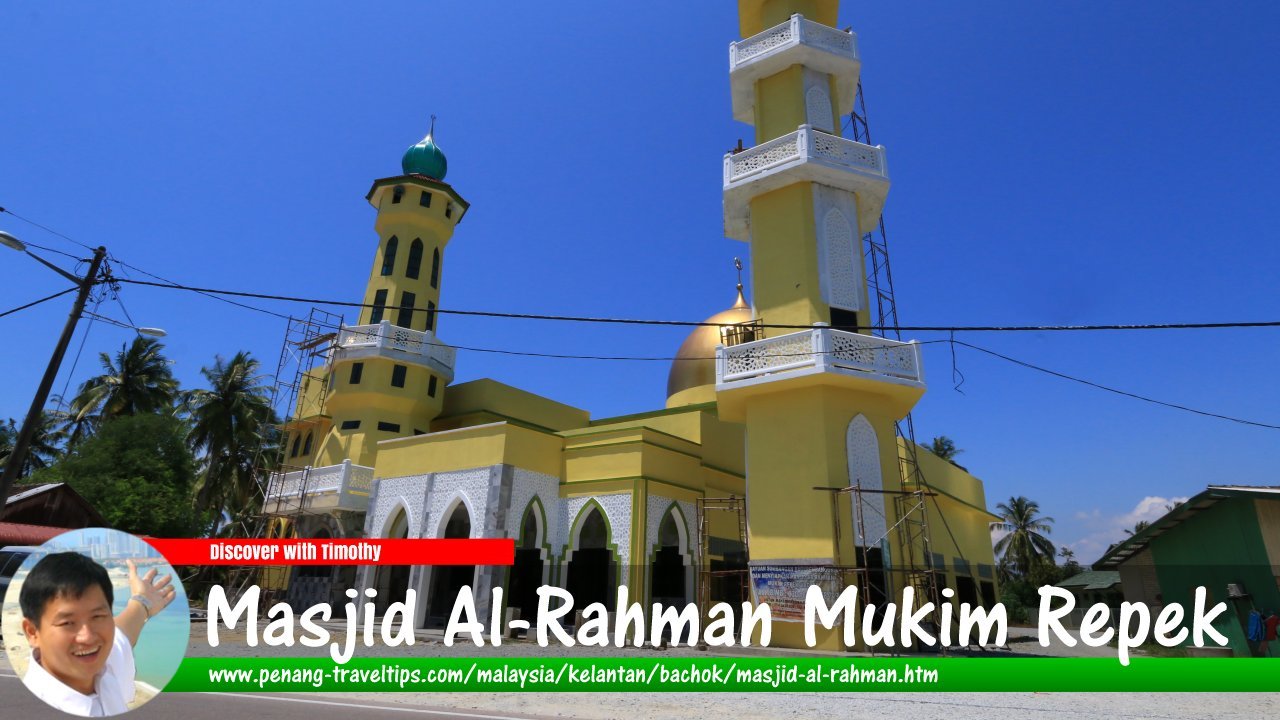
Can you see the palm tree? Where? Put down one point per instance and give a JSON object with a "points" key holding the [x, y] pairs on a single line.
{"points": [[229, 423], [73, 428], [945, 448], [1024, 542], [44, 447], [1138, 527], [137, 381]]}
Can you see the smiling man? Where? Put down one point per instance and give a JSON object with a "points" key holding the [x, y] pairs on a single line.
{"points": [[81, 656]]}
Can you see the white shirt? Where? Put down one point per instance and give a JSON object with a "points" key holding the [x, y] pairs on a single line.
{"points": [[113, 686]]}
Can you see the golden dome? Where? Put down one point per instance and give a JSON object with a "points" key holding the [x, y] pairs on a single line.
{"points": [[693, 372]]}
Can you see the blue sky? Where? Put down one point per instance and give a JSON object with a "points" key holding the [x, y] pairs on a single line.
{"points": [[1051, 163]]}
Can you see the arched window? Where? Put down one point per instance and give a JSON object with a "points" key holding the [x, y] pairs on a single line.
{"points": [[435, 268], [594, 533], [529, 530], [415, 260], [668, 533], [306, 446], [389, 256], [293, 452]]}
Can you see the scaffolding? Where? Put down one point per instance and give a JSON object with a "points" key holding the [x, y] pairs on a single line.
{"points": [[916, 567], [739, 576], [306, 347]]}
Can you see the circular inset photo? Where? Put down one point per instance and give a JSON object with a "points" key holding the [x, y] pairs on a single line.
{"points": [[94, 621]]}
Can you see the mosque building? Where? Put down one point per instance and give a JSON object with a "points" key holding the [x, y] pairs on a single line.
{"points": [[775, 463]]}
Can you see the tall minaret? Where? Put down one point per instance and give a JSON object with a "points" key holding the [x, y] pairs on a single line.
{"points": [[819, 403], [388, 373]]}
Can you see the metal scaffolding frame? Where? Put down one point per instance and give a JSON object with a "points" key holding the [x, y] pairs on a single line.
{"points": [[306, 346], [737, 506]]}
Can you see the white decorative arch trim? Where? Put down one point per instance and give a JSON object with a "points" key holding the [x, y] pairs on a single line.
{"points": [[393, 515], [863, 453], [450, 506]]}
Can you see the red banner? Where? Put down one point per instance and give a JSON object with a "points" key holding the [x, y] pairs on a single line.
{"points": [[373, 551]]}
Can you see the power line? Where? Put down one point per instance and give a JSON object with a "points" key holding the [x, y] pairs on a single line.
{"points": [[33, 303], [120, 262], [688, 323], [48, 230], [1123, 393]]}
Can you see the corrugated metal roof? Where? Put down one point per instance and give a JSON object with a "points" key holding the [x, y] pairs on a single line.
{"points": [[1211, 496], [1092, 580], [23, 534], [26, 491]]}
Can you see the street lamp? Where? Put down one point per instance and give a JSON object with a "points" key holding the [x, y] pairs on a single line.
{"points": [[148, 331], [19, 454], [10, 241]]}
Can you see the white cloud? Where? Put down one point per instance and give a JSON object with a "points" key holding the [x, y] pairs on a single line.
{"points": [[1104, 530]]}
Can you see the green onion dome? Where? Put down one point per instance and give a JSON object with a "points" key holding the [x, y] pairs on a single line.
{"points": [[425, 158]]}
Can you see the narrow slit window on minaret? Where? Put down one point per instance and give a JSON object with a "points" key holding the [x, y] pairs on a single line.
{"points": [[431, 386], [435, 268], [388, 427], [398, 373], [431, 316], [357, 370], [350, 424], [396, 195], [379, 304], [405, 317], [389, 256], [448, 210], [425, 199], [414, 268]]}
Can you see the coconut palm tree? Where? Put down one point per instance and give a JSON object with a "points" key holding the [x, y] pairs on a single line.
{"points": [[45, 444], [945, 448], [1138, 527], [229, 423], [1025, 529], [137, 381]]}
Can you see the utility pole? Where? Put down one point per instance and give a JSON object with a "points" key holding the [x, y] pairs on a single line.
{"points": [[16, 459]]}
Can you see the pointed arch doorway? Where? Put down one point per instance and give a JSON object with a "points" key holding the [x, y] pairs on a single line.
{"points": [[528, 572], [448, 580], [592, 570], [392, 581]]}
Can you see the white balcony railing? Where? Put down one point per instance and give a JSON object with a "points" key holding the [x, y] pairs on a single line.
{"points": [[387, 337], [805, 144], [821, 348], [806, 155], [797, 41], [796, 31], [349, 484]]}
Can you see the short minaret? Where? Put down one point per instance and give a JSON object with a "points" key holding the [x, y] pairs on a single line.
{"points": [[387, 373], [819, 402]]}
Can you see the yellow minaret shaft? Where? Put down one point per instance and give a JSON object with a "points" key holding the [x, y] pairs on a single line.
{"points": [[819, 404]]}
